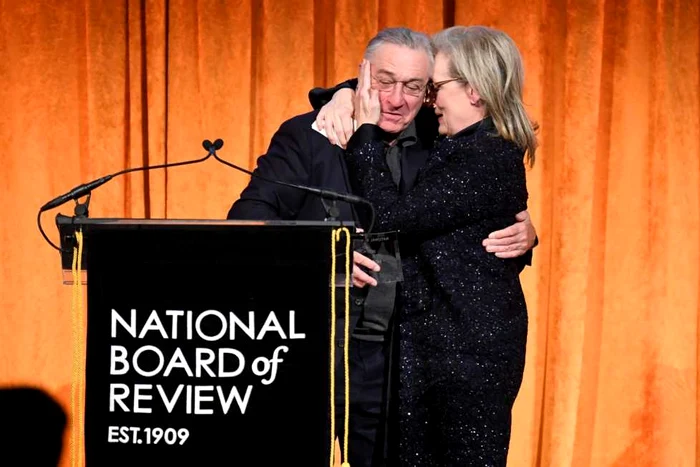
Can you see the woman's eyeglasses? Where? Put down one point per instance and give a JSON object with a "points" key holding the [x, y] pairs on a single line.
{"points": [[432, 89]]}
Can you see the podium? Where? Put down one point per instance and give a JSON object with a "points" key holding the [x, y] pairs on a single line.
{"points": [[207, 341]]}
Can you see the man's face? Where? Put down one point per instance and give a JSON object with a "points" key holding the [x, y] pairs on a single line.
{"points": [[400, 74]]}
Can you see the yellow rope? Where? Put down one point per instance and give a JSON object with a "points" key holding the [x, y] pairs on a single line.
{"points": [[332, 349], [346, 347], [335, 238], [78, 373]]}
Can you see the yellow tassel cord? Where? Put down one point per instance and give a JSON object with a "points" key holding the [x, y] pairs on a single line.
{"points": [[78, 373], [335, 238]]}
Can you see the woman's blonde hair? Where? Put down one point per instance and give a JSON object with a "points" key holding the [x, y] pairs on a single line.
{"points": [[490, 62]]}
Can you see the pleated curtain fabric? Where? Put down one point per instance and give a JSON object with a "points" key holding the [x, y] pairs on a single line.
{"points": [[92, 87]]}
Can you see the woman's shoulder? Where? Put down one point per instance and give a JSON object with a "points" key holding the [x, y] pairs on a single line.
{"points": [[487, 143], [496, 144]]}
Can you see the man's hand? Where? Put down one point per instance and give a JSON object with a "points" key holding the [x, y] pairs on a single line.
{"points": [[512, 241], [336, 117], [359, 277]]}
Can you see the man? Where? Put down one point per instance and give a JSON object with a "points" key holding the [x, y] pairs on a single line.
{"points": [[299, 154]]}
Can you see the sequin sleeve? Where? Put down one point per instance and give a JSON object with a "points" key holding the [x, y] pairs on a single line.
{"points": [[465, 181]]}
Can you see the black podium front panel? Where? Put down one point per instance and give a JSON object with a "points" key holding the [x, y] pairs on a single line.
{"points": [[207, 345]]}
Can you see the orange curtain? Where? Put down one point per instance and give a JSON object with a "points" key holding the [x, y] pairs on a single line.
{"points": [[92, 87]]}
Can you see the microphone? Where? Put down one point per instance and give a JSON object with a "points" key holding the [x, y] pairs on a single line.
{"points": [[323, 193], [75, 193], [86, 188]]}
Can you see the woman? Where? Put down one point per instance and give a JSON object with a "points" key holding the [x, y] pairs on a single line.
{"points": [[462, 318]]}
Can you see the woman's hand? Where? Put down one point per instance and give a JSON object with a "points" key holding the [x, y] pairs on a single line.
{"points": [[336, 117], [367, 106]]}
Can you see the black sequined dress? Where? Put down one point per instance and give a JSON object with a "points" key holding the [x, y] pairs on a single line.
{"points": [[462, 314]]}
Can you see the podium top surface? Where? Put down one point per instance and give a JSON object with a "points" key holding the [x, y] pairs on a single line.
{"points": [[67, 227], [62, 220]]}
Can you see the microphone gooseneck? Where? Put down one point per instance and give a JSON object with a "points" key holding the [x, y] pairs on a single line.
{"points": [[211, 148]]}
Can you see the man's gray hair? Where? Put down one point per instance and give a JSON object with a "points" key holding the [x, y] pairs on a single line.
{"points": [[404, 37]]}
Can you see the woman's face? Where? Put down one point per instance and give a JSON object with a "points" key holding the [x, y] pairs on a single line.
{"points": [[457, 104]]}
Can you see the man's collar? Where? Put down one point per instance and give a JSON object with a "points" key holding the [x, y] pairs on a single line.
{"points": [[407, 137]]}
